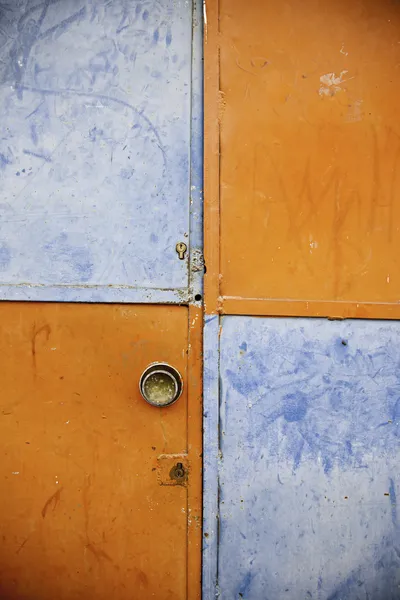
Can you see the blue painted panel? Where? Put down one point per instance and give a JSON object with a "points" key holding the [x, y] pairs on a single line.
{"points": [[95, 140], [309, 460]]}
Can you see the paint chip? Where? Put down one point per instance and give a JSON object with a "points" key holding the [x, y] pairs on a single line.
{"points": [[330, 83]]}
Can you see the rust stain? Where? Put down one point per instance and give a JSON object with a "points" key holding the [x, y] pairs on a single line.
{"points": [[36, 331], [52, 502]]}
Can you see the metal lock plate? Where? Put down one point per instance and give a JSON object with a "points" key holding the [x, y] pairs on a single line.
{"points": [[173, 469]]}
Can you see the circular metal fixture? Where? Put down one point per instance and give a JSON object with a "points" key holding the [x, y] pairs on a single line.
{"points": [[160, 384]]}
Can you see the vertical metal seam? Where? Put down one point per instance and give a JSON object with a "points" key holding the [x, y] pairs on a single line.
{"points": [[211, 158], [210, 456]]}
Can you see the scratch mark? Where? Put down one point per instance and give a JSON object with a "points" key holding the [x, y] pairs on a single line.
{"points": [[163, 430], [31, 179], [376, 183], [122, 22], [37, 155], [243, 69], [63, 25], [35, 110], [86, 503], [27, 40], [4, 160], [393, 501], [106, 99], [306, 194], [262, 62], [52, 502], [22, 545], [46, 330], [33, 9], [98, 552], [292, 212]]}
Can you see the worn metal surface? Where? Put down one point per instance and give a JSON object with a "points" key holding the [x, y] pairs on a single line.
{"points": [[302, 162], [84, 512], [308, 465], [95, 149]]}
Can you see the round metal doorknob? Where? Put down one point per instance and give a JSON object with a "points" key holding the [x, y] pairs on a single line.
{"points": [[160, 384]]}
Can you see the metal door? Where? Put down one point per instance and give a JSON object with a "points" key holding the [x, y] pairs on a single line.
{"points": [[301, 214], [100, 170], [89, 507]]}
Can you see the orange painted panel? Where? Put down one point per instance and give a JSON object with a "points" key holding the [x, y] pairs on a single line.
{"points": [[88, 509], [310, 150]]}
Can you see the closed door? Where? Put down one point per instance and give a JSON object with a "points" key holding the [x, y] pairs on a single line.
{"points": [[100, 274], [301, 292], [90, 504]]}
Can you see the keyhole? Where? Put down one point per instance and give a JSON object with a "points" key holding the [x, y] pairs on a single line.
{"points": [[178, 472], [181, 250]]}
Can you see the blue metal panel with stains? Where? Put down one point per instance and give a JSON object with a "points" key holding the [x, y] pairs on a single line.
{"points": [[308, 463], [95, 148], [210, 454]]}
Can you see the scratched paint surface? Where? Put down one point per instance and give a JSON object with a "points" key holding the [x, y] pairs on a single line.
{"points": [[94, 146], [310, 150], [309, 455]]}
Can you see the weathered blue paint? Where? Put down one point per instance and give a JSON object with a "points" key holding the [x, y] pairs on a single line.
{"points": [[309, 426], [95, 148], [92, 293], [210, 454]]}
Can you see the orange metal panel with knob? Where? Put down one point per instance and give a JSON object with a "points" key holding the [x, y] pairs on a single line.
{"points": [[97, 483]]}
